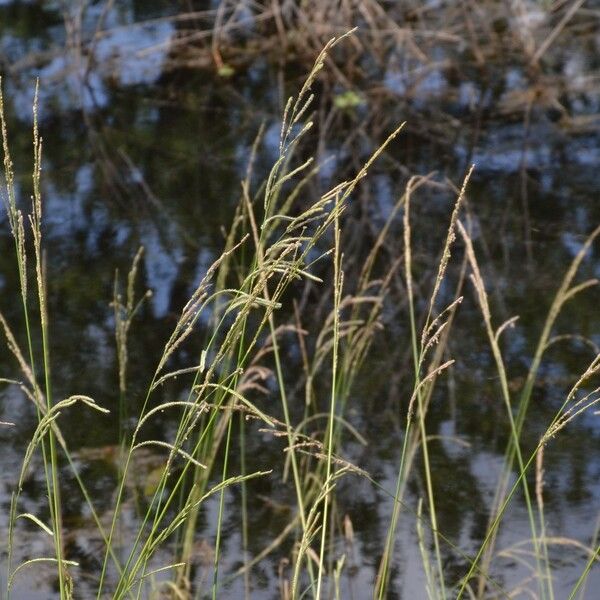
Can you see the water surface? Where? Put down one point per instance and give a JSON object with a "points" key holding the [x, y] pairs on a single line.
{"points": [[141, 151]]}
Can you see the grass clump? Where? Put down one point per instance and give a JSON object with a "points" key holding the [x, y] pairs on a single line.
{"points": [[273, 246]]}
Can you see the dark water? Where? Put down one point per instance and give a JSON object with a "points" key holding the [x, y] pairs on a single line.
{"points": [[139, 151]]}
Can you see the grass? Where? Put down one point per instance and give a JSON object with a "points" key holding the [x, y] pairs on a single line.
{"points": [[274, 246]]}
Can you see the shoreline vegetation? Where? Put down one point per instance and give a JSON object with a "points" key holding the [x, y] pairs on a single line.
{"points": [[276, 245]]}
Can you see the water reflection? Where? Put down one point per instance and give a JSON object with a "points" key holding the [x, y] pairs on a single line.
{"points": [[139, 151]]}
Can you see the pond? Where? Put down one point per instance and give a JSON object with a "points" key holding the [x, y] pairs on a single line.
{"points": [[149, 112]]}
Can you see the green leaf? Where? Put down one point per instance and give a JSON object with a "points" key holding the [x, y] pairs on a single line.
{"points": [[348, 99]]}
